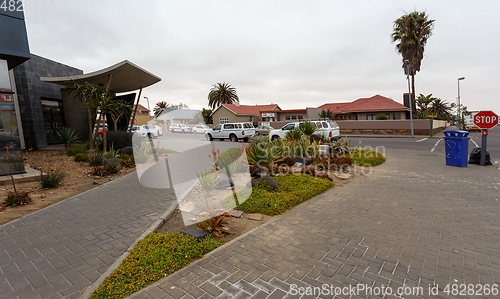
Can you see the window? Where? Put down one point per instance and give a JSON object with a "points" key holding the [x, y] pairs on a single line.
{"points": [[287, 117], [289, 127], [301, 117], [228, 126], [325, 124], [294, 117], [223, 120], [217, 127], [247, 126]]}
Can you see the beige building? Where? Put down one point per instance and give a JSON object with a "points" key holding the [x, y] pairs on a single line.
{"points": [[229, 113], [142, 115]]}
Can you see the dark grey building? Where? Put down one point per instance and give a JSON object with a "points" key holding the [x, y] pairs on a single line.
{"points": [[40, 103]]}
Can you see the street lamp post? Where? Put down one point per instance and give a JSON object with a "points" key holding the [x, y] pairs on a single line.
{"points": [[409, 94], [458, 116], [149, 112]]}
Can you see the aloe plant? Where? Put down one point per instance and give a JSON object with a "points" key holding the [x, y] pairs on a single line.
{"points": [[67, 136], [294, 134]]}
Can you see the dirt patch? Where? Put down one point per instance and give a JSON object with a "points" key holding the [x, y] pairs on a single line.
{"points": [[237, 226], [78, 179]]}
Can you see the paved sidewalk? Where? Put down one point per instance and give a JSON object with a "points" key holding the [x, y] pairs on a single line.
{"points": [[413, 222], [59, 251]]}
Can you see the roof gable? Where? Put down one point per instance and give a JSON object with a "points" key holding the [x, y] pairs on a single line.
{"points": [[247, 109], [375, 103]]}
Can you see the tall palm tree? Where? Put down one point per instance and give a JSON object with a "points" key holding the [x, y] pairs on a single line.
{"points": [[159, 108], [222, 93], [410, 33], [87, 94]]}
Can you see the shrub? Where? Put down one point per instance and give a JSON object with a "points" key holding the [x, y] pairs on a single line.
{"points": [[111, 153], [14, 199], [117, 139], [72, 151], [293, 190], [381, 117], [366, 157], [96, 159], [294, 134], [112, 168], [128, 160], [81, 157], [66, 136], [153, 258], [52, 179]]}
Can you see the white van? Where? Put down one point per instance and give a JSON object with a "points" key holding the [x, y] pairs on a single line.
{"points": [[231, 131]]}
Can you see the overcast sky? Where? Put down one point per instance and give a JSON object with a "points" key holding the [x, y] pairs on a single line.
{"points": [[294, 53]]}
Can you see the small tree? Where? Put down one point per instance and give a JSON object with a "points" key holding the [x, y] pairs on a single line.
{"points": [[381, 117]]}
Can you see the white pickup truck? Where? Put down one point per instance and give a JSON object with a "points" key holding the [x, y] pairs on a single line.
{"points": [[148, 131], [328, 129], [231, 131]]}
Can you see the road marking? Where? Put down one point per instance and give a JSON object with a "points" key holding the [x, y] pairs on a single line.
{"points": [[474, 142], [433, 148], [422, 140]]}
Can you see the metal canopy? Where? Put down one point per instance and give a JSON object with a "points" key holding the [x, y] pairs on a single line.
{"points": [[124, 77]]}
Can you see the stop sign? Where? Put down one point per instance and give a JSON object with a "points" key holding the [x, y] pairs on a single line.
{"points": [[486, 119]]}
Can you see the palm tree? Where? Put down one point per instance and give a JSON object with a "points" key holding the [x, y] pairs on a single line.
{"points": [[423, 103], [88, 94], [159, 108], [411, 32], [222, 93], [440, 108]]}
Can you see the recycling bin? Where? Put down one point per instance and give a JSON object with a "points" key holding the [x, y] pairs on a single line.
{"points": [[456, 147]]}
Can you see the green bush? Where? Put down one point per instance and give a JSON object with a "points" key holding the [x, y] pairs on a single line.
{"points": [[72, 151], [81, 157], [52, 179], [112, 168], [96, 159], [366, 157], [153, 258], [111, 153], [117, 139], [381, 117], [293, 190]]}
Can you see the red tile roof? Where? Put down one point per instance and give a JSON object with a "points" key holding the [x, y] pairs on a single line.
{"points": [[249, 109], [375, 103], [142, 108]]}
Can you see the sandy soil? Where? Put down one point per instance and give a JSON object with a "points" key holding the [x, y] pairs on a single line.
{"points": [[78, 179]]}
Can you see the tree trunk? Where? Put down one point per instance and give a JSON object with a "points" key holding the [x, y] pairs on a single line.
{"points": [[413, 104], [104, 146], [90, 128]]}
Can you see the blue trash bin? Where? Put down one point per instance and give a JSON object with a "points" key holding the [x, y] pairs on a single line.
{"points": [[456, 147]]}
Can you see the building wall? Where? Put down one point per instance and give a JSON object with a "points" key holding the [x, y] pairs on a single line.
{"points": [[392, 115], [30, 90], [224, 112], [420, 126]]}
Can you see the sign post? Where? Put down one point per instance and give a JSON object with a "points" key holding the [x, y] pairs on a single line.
{"points": [[485, 120]]}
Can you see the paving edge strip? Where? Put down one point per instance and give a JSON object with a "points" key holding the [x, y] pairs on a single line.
{"points": [[152, 228]]}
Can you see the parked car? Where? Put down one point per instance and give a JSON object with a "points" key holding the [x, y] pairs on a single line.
{"points": [[180, 128], [160, 130], [328, 129], [263, 130], [231, 131], [148, 131], [200, 129], [11, 142], [134, 128]]}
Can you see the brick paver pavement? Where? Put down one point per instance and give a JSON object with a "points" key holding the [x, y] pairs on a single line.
{"points": [[59, 251], [413, 222]]}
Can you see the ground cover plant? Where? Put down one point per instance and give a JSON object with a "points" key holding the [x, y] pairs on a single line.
{"points": [[51, 179], [365, 157], [293, 190], [154, 257]]}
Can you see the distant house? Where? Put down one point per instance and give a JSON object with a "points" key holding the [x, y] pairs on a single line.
{"points": [[227, 113], [141, 116], [367, 109], [177, 116]]}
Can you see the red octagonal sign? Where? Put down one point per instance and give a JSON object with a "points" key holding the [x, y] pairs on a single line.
{"points": [[486, 119]]}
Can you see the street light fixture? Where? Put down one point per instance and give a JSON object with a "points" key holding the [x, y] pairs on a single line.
{"points": [[149, 110], [407, 62], [458, 116]]}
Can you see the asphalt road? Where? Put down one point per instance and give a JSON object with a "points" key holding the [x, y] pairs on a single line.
{"points": [[430, 145]]}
